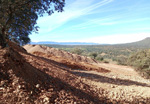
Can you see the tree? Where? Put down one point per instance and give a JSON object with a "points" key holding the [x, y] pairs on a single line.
{"points": [[18, 18], [94, 55]]}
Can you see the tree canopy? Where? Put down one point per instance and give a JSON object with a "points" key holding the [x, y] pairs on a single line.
{"points": [[18, 18], [77, 51], [94, 55]]}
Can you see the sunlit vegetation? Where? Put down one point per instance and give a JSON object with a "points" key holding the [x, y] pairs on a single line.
{"points": [[141, 62], [104, 53]]}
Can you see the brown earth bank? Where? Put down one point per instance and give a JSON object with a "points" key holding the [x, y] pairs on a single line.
{"points": [[59, 53], [43, 78]]}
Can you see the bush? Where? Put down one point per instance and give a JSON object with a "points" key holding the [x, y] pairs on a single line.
{"points": [[99, 58], [122, 61], [105, 61], [141, 61], [77, 51]]}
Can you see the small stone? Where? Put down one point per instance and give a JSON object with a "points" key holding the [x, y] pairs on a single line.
{"points": [[1, 88], [37, 86], [19, 86], [46, 99]]}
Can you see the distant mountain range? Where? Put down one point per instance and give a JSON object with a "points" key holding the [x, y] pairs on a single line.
{"points": [[145, 43], [65, 43]]}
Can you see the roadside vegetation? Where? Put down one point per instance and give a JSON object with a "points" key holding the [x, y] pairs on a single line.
{"points": [[141, 62], [102, 53]]}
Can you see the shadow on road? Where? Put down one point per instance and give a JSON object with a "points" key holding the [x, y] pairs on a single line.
{"points": [[104, 79]]}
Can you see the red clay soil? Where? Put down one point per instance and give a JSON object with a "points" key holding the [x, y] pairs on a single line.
{"points": [[72, 64], [43, 79], [25, 78], [58, 53]]}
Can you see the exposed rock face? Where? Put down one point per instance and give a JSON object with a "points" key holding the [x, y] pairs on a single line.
{"points": [[57, 52]]}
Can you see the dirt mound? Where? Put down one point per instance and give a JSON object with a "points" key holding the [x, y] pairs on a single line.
{"points": [[16, 47], [25, 78], [72, 64], [57, 52]]}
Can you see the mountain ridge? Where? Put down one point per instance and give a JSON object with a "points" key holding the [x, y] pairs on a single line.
{"points": [[65, 43], [142, 43], [145, 43]]}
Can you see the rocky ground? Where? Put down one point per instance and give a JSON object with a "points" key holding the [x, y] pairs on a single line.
{"points": [[45, 78]]}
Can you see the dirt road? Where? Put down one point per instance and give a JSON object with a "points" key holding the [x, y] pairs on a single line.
{"points": [[121, 82]]}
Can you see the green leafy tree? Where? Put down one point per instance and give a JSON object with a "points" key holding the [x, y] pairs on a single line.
{"points": [[94, 55], [18, 18]]}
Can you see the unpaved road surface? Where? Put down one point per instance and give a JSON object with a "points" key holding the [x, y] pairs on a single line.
{"points": [[121, 83]]}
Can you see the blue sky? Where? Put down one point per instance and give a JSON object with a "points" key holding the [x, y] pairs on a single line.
{"points": [[99, 21]]}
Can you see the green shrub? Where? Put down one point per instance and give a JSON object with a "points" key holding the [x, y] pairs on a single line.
{"points": [[99, 58], [105, 61], [141, 62], [77, 51], [122, 61]]}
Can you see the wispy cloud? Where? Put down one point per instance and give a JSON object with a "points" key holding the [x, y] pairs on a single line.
{"points": [[93, 23], [106, 21], [88, 10], [82, 18], [78, 8], [73, 10]]}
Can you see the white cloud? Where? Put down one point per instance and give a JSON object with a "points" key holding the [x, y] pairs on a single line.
{"points": [[73, 10], [106, 21], [119, 38], [94, 23], [107, 39], [95, 6], [78, 8]]}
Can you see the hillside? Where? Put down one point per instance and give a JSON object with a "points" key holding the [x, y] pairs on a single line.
{"points": [[141, 62], [145, 43], [44, 78]]}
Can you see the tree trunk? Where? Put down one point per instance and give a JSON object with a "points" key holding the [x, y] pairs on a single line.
{"points": [[3, 43]]}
